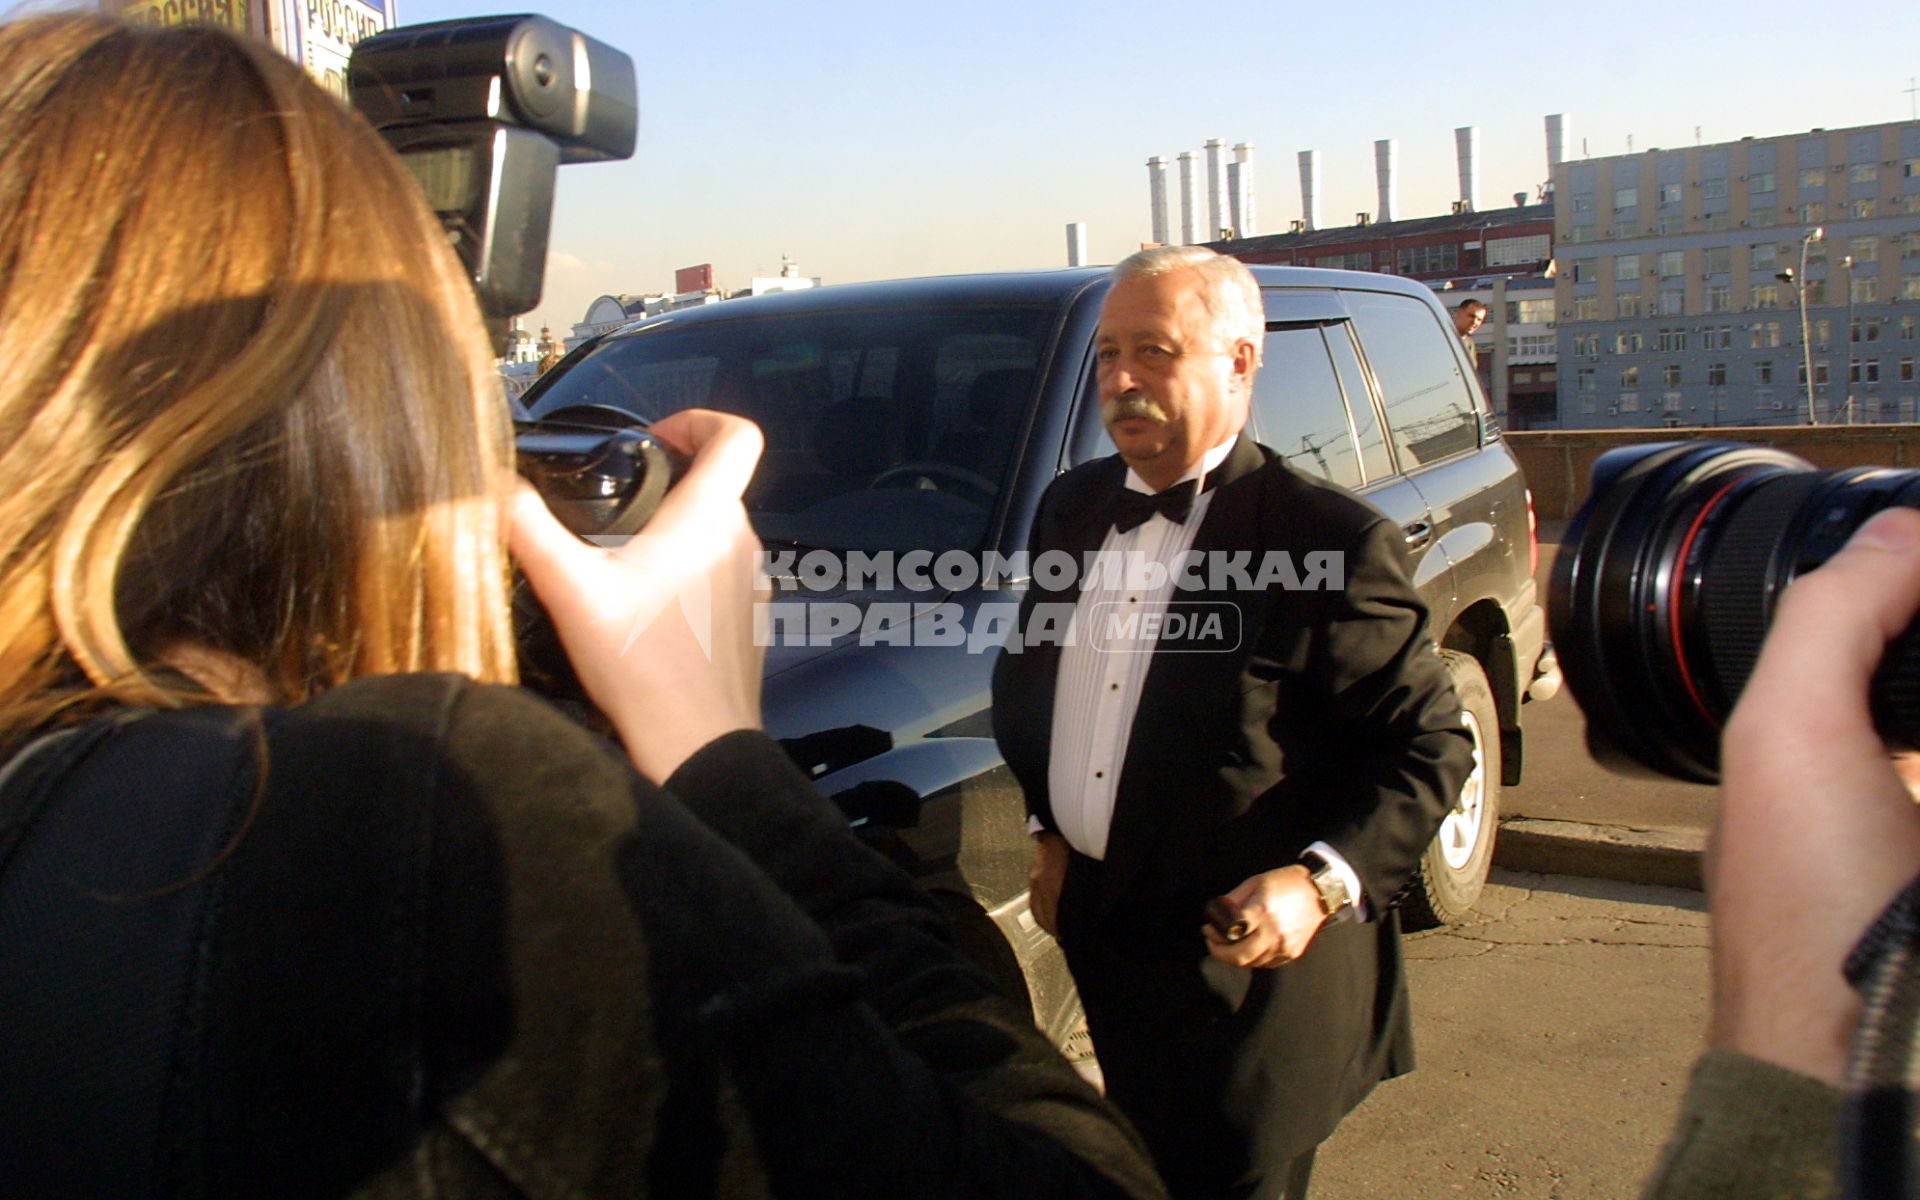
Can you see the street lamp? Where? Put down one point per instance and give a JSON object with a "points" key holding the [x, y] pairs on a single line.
{"points": [[1799, 283], [1846, 260]]}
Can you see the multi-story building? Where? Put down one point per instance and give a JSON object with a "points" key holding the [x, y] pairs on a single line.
{"points": [[1496, 256], [1681, 281]]}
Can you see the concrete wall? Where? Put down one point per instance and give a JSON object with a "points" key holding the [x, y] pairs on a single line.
{"points": [[1558, 463]]}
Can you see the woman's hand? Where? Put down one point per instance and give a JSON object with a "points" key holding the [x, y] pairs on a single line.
{"points": [[660, 629]]}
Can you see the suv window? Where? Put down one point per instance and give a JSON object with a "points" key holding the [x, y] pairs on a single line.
{"points": [[1374, 459], [927, 403], [1429, 408], [1298, 409]]}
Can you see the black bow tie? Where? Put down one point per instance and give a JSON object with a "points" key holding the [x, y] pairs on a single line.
{"points": [[1132, 509]]}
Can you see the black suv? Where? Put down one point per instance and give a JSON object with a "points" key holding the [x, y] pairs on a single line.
{"points": [[923, 418]]}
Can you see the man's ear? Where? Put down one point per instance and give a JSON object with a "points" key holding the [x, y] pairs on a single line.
{"points": [[1245, 359]]}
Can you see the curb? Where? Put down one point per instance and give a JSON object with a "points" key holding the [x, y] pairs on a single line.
{"points": [[1660, 857]]}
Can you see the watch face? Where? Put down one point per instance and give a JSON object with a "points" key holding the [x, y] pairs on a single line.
{"points": [[1333, 890]]}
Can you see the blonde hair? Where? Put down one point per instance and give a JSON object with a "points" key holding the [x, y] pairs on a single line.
{"points": [[249, 404]]}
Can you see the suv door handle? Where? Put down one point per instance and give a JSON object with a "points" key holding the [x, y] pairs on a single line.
{"points": [[1418, 534]]}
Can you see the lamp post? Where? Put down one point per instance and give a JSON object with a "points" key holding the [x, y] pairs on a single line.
{"points": [[1846, 260], [1816, 234]]}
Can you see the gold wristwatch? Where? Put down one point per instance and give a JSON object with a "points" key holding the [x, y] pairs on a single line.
{"points": [[1326, 881]]}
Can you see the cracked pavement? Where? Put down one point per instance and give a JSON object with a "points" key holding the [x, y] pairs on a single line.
{"points": [[1554, 1030]]}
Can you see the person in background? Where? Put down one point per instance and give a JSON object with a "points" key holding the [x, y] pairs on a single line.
{"points": [[1297, 765], [298, 895], [1816, 834], [1468, 316]]}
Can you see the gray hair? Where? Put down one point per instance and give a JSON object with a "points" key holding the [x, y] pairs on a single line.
{"points": [[1230, 295]]}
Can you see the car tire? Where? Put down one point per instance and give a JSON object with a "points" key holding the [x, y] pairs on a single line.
{"points": [[1453, 869]]}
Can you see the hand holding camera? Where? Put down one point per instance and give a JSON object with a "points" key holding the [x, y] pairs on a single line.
{"points": [[659, 624]]}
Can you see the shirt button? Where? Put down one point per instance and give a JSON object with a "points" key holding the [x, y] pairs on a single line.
{"points": [[1099, 774], [1113, 687]]}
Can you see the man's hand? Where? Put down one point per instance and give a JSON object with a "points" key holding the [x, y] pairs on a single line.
{"points": [[1816, 830], [1044, 880], [1282, 911]]}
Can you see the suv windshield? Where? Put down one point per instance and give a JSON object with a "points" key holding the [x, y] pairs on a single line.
{"points": [[887, 429]]}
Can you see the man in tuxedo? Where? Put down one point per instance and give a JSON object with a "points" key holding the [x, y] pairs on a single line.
{"points": [[1286, 739]]}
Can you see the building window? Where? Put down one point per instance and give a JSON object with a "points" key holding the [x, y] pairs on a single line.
{"points": [[1864, 291], [1910, 169], [1586, 308], [1763, 371], [1625, 232], [1761, 216], [1718, 223], [1865, 249], [1586, 270], [1585, 379], [1507, 252], [1819, 373], [1669, 193], [1765, 335], [1583, 202], [1715, 188], [1626, 342], [1359, 260], [1716, 374], [1910, 289], [1629, 402], [1909, 244], [1812, 177], [1906, 328], [1670, 340], [1625, 197], [1585, 343], [1671, 263], [1822, 332], [1865, 331], [1763, 255], [1863, 210], [1864, 370], [1670, 375], [1815, 292], [1532, 345], [1718, 298], [1813, 212], [1670, 401], [1910, 204], [1864, 172], [1418, 260], [1716, 337], [1906, 370], [1629, 377], [1760, 181], [1626, 266], [1535, 310], [1718, 259], [1626, 306], [1766, 295]]}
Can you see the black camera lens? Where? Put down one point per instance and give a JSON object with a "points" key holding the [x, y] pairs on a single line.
{"points": [[1667, 579]]}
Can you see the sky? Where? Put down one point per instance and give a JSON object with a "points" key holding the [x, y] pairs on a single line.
{"points": [[870, 140]]}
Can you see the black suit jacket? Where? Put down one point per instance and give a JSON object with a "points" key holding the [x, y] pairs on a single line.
{"points": [[1332, 719]]}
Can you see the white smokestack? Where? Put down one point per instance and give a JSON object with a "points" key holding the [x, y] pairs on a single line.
{"points": [[1466, 142], [1217, 217], [1556, 141], [1189, 200], [1077, 244], [1310, 188], [1240, 185], [1157, 196], [1385, 152]]}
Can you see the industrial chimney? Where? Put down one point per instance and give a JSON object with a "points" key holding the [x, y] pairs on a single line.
{"points": [[1310, 188], [1240, 187], [1077, 244], [1385, 151], [1157, 197], [1189, 200], [1556, 141], [1217, 217], [1466, 141]]}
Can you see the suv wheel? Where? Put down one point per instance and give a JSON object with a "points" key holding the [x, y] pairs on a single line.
{"points": [[1454, 867]]}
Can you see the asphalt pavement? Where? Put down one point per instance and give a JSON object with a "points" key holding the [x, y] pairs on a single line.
{"points": [[1554, 1030]]}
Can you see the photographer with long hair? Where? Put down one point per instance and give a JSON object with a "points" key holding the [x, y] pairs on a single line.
{"points": [[1816, 836], [297, 897]]}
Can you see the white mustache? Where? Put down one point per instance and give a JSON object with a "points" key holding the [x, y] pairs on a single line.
{"points": [[1128, 405]]}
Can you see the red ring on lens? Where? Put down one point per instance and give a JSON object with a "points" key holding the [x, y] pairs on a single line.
{"points": [[1673, 600]]}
